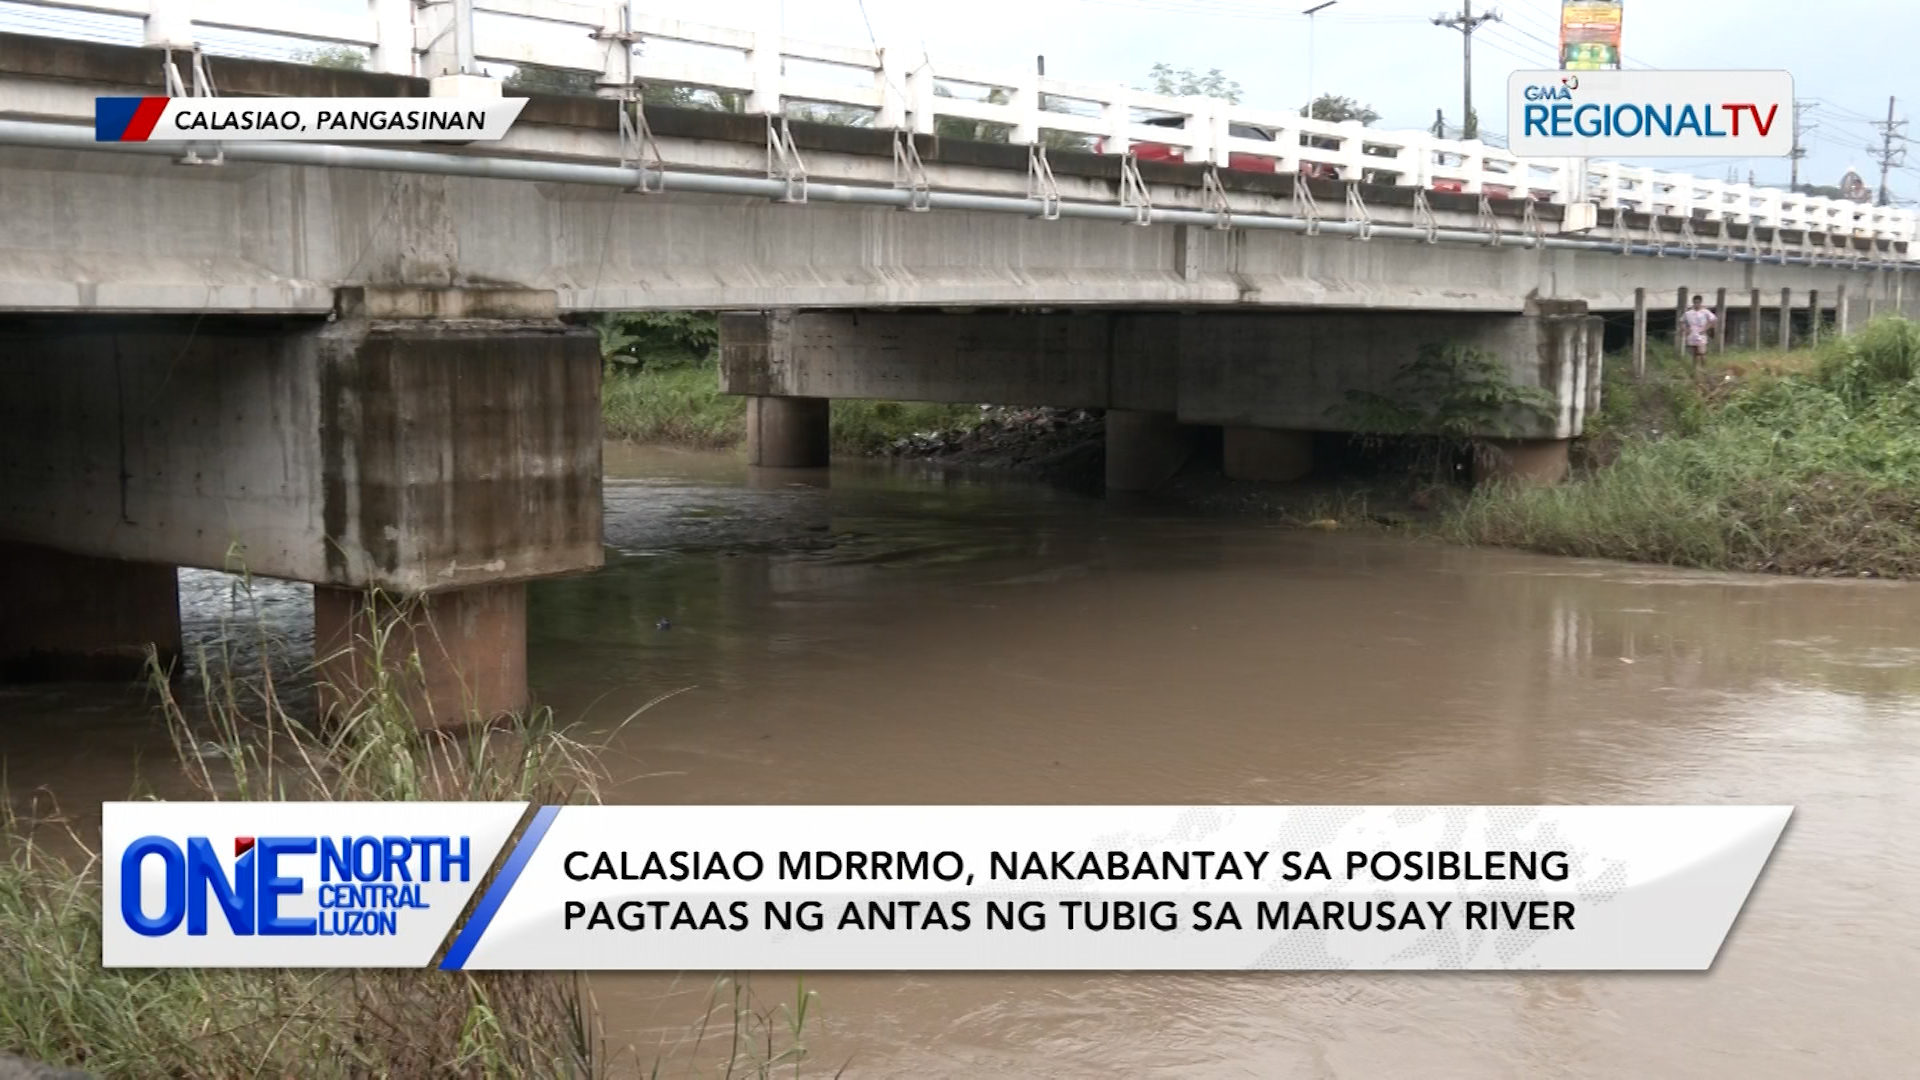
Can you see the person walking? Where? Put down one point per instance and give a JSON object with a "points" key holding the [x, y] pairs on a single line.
{"points": [[1699, 323]]}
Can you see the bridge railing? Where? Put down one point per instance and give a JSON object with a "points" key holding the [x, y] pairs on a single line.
{"points": [[907, 89]]}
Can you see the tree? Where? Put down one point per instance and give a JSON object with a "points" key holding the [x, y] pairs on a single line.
{"points": [[1820, 191], [337, 57], [959, 127], [837, 115], [1185, 82], [539, 80], [1340, 109]]}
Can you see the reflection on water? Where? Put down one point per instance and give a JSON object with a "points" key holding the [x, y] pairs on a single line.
{"points": [[913, 638]]}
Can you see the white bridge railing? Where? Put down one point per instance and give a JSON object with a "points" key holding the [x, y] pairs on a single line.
{"points": [[905, 89]]}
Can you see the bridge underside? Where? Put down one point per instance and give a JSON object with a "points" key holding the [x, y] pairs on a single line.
{"points": [[1268, 380]]}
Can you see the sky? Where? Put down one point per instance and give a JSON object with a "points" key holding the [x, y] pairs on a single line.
{"points": [[1846, 59]]}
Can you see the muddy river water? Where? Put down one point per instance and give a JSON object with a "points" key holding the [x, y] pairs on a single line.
{"points": [[903, 637]]}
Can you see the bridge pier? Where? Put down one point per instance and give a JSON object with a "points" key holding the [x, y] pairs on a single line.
{"points": [[1528, 462], [1145, 449], [470, 644], [436, 445], [788, 432]]}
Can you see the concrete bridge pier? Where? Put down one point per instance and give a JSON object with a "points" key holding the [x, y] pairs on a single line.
{"points": [[1527, 462], [788, 432], [418, 458], [1145, 449]]}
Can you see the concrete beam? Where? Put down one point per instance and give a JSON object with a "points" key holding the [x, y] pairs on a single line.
{"points": [[1299, 372], [1091, 360], [1293, 371]]}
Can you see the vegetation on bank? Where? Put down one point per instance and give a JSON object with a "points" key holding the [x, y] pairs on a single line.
{"points": [[1798, 463], [236, 738], [662, 385]]}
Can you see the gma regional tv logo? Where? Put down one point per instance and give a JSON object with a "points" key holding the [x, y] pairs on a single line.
{"points": [[364, 886], [205, 119], [275, 884], [1650, 113]]}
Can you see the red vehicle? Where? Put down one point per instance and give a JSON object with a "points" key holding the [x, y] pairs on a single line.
{"points": [[1313, 170], [1149, 151]]}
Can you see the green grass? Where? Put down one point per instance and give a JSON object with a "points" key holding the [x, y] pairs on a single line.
{"points": [[1805, 463], [235, 739], [683, 406]]}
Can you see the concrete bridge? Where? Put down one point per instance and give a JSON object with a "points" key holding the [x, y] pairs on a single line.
{"points": [[357, 367]]}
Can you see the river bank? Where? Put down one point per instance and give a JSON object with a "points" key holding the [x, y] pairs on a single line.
{"points": [[1803, 463]]}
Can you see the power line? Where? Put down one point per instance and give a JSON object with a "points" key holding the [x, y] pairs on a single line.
{"points": [[1206, 8], [1519, 50]]}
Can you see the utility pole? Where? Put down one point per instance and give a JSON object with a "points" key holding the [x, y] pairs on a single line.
{"points": [[1799, 148], [1888, 156], [1312, 90], [1466, 22]]}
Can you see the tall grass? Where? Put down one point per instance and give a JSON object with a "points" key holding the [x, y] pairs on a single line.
{"points": [[237, 737], [683, 406], [1814, 470]]}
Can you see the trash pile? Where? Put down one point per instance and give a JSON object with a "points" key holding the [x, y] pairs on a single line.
{"points": [[1008, 437]]}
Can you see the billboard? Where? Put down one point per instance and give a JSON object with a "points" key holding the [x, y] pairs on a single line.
{"points": [[1590, 34]]}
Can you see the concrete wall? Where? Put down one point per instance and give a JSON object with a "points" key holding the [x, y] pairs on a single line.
{"points": [[1295, 371], [403, 453], [1291, 371]]}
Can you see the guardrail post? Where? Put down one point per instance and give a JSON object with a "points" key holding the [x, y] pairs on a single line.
{"points": [[1118, 118], [1206, 150], [1221, 130], [616, 38], [393, 33], [920, 98], [893, 83], [764, 58], [169, 24], [1472, 163], [1026, 110]]}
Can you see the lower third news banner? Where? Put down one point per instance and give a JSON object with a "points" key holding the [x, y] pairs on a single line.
{"points": [[931, 888]]}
